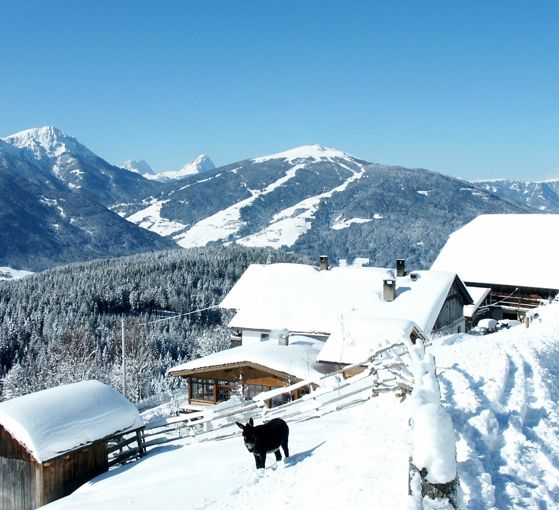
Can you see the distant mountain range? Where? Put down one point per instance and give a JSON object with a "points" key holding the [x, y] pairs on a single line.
{"points": [[540, 195], [60, 203], [199, 165]]}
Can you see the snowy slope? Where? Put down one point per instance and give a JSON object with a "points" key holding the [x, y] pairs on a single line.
{"points": [[286, 224], [8, 273], [329, 460], [501, 391], [315, 199]]}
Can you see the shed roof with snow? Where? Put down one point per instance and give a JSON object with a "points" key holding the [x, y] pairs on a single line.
{"points": [[504, 249], [58, 420], [297, 360], [304, 299], [356, 341]]}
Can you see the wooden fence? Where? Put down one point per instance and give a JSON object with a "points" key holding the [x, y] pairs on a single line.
{"points": [[335, 391]]}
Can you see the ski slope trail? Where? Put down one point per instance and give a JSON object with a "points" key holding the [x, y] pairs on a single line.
{"points": [[502, 400], [362, 446]]}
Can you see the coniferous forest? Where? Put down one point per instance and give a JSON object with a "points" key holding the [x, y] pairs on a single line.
{"points": [[65, 325]]}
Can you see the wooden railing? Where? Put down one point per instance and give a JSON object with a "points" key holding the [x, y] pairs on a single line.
{"points": [[124, 447], [334, 391]]}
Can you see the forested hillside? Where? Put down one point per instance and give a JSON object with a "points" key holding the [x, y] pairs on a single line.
{"points": [[64, 325]]}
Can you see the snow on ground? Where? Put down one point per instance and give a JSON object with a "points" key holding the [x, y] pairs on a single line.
{"points": [[340, 224], [356, 458], [227, 222], [8, 273], [501, 391], [150, 219], [288, 225]]}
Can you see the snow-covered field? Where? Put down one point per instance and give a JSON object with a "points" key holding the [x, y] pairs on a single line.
{"points": [[7, 273], [501, 391]]}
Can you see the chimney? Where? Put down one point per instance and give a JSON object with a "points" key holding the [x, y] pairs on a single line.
{"points": [[281, 336], [324, 262], [400, 267], [389, 289]]}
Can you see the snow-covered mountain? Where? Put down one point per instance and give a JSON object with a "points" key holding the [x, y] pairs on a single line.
{"points": [[77, 167], [8, 273], [197, 166], [310, 199], [317, 199], [540, 195], [139, 166], [44, 219]]}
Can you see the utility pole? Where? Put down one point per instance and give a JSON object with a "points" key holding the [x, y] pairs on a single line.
{"points": [[123, 358]]}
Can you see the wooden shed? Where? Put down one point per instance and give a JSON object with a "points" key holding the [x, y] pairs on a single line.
{"points": [[55, 440], [252, 369]]}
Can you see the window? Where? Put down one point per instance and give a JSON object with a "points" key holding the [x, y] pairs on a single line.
{"points": [[224, 390], [202, 389], [251, 390], [264, 337]]}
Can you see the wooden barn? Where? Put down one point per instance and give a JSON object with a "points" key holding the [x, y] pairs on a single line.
{"points": [[55, 440], [506, 261]]}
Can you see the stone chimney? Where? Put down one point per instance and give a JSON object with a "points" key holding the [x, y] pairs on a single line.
{"points": [[324, 262], [400, 267], [389, 289]]}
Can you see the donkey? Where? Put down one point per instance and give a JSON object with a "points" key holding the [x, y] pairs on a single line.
{"points": [[266, 438]]}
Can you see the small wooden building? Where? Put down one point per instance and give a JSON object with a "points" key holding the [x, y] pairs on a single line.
{"points": [[55, 440], [252, 369]]}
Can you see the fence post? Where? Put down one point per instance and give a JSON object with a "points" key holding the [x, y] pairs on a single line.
{"points": [[141, 442], [432, 435]]}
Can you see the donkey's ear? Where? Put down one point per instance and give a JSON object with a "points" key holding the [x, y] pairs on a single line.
{"points": [[251, 422], [240, 425]]}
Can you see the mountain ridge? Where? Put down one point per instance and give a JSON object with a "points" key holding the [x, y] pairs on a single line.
{"points": [[309, 199]]}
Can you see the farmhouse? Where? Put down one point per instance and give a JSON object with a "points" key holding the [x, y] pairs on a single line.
{"points": [[55, 440], [506, 260], [319, 320]]}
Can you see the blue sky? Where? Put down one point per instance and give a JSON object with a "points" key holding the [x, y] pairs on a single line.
{"points": [[466, 88]]}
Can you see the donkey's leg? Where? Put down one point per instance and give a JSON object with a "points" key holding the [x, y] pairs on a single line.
{"points": [[285, 448], [260, 460], [278, 454]]}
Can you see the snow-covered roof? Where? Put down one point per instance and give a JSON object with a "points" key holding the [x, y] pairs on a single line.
{"points": [[505, 249], [355, 341], [303, 299], [478, 294], [58, 420], [297, 359]]}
